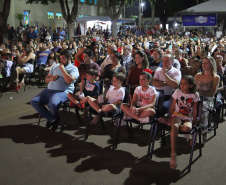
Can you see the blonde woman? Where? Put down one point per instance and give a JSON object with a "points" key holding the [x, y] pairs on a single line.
{"points": [[207, 85]]}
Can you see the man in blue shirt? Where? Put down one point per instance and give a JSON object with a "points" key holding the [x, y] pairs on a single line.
{"points": [[42, 55], [60, 80], [31, 34]]}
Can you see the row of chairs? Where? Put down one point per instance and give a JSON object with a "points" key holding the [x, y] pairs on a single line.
{"points": [[36, 74], [155, 126]]}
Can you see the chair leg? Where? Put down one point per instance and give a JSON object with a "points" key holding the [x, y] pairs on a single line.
{"points": [[131, 128], [200, 142], [117, 130], [151, 141], [128, 129], [63, 118], [78, 115], [39, 119], [163, 138], [25, 82], [192, 150], [102, 123], [88, 127]]}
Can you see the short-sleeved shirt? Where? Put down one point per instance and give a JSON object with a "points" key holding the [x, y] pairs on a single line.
{"points": [[172, 73], [42, 57], [60, 84], [184, 104], [114, 95], [144, 97], [91, 89]]}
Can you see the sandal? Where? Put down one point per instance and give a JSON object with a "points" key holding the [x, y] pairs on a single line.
{"points": [[95, 120], [173, 161]]}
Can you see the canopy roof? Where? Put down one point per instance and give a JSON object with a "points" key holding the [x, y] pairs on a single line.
{"points": [[104, 18], [211, 7]]}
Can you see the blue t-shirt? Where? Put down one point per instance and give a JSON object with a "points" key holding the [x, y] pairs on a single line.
{"points": [[42, 57], [91, 89], [60, 84]]}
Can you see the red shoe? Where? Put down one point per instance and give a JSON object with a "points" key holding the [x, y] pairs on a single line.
{"points": [[81, 105], [72, 104]]}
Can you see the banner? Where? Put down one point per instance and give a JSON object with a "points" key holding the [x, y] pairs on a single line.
{"points": [[199, 20]]}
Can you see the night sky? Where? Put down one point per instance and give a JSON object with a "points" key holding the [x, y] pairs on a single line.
{"points": [[134, 9]]}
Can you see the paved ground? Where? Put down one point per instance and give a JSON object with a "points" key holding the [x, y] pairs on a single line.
{"points": [[33, 155]]}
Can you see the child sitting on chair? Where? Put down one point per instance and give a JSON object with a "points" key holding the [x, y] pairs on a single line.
{"points": [[143, 102], [182, 113], [113, 99], [89, 88]]}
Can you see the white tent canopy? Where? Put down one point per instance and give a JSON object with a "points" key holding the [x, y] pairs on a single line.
{"points": [[211, 6], [104, 18]]}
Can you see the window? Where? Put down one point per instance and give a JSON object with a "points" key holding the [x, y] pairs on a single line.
{"points": [[95, 1], [82, 1], [80, 16], [90, 1]]}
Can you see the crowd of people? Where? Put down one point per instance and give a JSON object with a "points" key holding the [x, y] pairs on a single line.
{"points": [[185, 64]]}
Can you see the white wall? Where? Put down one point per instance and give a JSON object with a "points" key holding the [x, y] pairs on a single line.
{"points": [[38, 13]]}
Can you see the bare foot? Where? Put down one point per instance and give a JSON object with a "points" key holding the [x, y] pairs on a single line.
{"points": [[165, 121], [173, 161]]}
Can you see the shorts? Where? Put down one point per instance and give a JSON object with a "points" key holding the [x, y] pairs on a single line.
{"points": [[29, 68]]}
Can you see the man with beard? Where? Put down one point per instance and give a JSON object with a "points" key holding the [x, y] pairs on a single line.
{"points": [[60, 80]]}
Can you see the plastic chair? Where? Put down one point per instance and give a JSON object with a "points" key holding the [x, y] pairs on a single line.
{"points": [[194, 131]]}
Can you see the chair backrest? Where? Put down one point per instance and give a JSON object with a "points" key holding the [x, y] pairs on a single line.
{"points": [[200, 107], [101, 84], [159, 101], [127, 90]]}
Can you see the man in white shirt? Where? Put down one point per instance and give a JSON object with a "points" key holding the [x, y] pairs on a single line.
{"points": [[218, 34], [167, 78], [107, 60]]}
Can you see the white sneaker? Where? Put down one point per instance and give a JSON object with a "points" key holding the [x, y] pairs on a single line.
{"points": [[126, 117], [144, 120]]}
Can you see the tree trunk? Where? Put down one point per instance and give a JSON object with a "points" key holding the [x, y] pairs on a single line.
{"points": [[113, 28], [153, 14], [5, 13], [71, 30], [3, 19], [139, 14]]}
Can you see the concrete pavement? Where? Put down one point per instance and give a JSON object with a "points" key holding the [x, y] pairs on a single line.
{"points": [[31, 154]]}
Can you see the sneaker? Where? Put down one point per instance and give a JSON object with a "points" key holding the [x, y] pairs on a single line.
{"points": [[126, 117], [55, 123], [144, 120], [81, 105]]}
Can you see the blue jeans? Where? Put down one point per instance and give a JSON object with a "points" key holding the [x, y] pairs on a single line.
{"points": [[51, 97]]}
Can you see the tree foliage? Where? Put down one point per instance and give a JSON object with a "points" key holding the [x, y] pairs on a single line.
{"points": [[44, 2]]}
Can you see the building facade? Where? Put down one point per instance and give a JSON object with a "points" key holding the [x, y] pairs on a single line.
{"points": [[50, 15]]}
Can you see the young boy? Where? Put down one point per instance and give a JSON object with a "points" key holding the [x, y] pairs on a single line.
{"points": [[88, 89], [113, 100]]}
